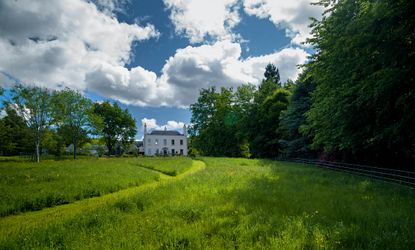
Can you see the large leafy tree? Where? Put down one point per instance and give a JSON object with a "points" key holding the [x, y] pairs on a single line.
{"points": [[34, 105], [265, 140], [262, 128], [217, 118], [116, 125], [364, 104], [72, 113]]}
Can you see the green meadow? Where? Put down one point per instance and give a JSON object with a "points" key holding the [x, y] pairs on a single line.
{"points": [[206, 203]]}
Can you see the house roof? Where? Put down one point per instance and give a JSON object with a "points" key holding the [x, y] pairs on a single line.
{"points": [[165, 132]]}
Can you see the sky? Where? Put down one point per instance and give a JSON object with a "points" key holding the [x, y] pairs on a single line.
{"points": [[151, 56]]}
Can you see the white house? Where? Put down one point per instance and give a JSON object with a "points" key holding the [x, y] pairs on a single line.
{"points": [[165, 142]]}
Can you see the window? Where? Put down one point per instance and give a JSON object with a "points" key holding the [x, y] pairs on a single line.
{"points": [[172, 142], [157, 151], [181, 142], [149, 151], [172, 151], [149, 141], [165, 142], [181, 151], [156, 141]]}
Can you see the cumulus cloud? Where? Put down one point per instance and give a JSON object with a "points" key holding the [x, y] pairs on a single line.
{"points": [[71, 43], [220, 64], [189, 70], [170, 125], [293, 15], [199, 19], [55, 43]]}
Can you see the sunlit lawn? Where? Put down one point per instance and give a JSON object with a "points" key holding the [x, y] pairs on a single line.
{"points": [[231, 203]]}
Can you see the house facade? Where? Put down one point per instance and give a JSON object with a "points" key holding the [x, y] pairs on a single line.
{"points": [[165, 142]]}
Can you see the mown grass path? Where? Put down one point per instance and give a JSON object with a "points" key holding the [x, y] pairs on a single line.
{"points": [[224, 203], [16, 224]]}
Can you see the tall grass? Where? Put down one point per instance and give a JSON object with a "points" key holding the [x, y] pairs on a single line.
{"points": [[28, 186], [168, 165], [232, 203]]}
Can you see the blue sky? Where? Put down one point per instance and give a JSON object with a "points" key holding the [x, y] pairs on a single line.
{"points": [[152, 57]]}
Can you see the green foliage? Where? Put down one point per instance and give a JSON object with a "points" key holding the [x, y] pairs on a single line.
{"points": [[72, 114], [35, 106], [248, 118], [364, 104], [272, 74], [232, 203], [15, 136], [216, 116], [293, 143], [115, 125]]}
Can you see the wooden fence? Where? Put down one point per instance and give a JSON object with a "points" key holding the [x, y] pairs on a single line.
{"points": [[402, 177]]}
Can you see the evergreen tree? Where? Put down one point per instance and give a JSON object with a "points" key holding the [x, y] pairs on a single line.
{"points": [[293, 143]]}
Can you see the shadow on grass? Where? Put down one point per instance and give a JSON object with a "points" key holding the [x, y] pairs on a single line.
{"points": [[306, 207]]}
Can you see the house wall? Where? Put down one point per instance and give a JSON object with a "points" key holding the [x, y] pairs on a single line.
{"points": [[155, 143]]}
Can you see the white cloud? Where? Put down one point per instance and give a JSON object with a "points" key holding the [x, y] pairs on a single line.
{"points": [[220, 65], [198, 19], [3, 113], [73, 44], [293, 15], [189, 70], [170, 125], [54, 43]]}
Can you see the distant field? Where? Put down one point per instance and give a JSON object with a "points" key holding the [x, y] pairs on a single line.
{"points": [[27, 186], [170, 166], [229, 203]]}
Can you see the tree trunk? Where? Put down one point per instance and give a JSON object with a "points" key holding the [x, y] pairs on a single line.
{"points": [[74, 148], [37, 151], [109, 147]]}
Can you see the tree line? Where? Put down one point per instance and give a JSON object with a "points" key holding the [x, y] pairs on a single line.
{"points": [[353, 102], [36, 119]]}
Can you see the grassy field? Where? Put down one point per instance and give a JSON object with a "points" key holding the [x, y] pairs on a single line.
{"points": [[169, 166], [28, 186], [225, 204]]}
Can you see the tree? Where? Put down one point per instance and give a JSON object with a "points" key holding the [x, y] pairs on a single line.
{"points": [[293, 143], [34, 105], [265, 140], [15, 136], [261, 128], [218, 115], [114, 124], [72, 114], [364, 104], [272, 74]]}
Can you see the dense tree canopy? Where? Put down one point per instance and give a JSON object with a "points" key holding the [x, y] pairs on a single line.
{"points": [[72, 114], [15, 135], [248, 118], [293, 142], [37, 121], [363, 108], [34, 105], [116, 125]]}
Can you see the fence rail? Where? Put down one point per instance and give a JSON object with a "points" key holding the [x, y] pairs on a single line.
{"points": [[403, 177]]}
